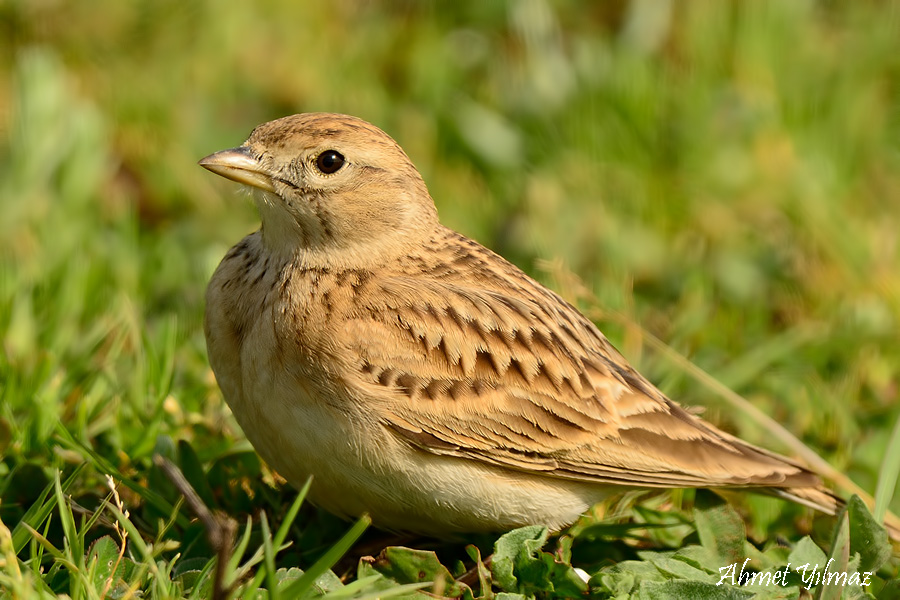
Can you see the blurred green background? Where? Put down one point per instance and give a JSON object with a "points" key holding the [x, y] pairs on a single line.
{"points": [[725, 174]]}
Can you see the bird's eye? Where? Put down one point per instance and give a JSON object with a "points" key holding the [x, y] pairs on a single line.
{"points": [[329, 161]]}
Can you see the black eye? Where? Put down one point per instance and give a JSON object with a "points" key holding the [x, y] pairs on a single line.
{"points": [[330, 161]]}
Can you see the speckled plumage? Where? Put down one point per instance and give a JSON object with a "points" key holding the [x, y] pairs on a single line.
{"points": [[419, 376]]}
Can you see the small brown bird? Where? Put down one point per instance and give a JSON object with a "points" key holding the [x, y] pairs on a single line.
{"points": [[422, 378]]}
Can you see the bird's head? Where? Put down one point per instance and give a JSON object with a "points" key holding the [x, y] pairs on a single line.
{"points": [[332, 190]]}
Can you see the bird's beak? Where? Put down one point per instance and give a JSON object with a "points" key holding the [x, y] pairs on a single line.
{"points": [[238, 165]]}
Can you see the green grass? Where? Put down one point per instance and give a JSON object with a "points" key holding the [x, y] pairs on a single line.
{"points": [[725, 177]]}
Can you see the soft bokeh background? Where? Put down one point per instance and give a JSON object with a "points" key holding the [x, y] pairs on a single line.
{"points": [[725, 174]]}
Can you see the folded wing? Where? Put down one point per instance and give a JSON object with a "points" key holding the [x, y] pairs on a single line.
{"points": [[519, 378]]}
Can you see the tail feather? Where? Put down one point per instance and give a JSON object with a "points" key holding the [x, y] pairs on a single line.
{"points": [[824, 500], [818, 498]]}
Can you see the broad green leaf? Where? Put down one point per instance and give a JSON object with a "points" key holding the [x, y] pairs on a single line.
{"points": [[369, 589], [284, 577], [769, 580], [690, 590], [557, 577], [697, 556], [867, 536], [366, 572], [509, 550], [327, 582], [406, 565], [103, 557], [520, 565], [770, 591], [626, 577], [619, 585], [677, 569], [197, 563], [720, 528], [189, 578], [806, 552]]}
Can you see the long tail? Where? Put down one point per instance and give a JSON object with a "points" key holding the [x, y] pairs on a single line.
{"points": [[824, 500]]}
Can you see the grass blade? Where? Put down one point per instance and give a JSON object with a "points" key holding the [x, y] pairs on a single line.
{"points": [[887, 475], [105, 466], [328, 560], [285, 527], [39, 511]]}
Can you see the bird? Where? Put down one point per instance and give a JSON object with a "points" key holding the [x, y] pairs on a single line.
{"points": [[421, 378]]}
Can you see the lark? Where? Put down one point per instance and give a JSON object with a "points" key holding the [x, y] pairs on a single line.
{"points": [[420, 377]]}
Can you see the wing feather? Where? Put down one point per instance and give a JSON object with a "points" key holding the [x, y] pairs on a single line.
{"points": [[512, 375]]}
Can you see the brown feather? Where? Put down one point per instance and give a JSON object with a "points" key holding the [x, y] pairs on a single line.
{"points": [[486, 364], [419, 376]]}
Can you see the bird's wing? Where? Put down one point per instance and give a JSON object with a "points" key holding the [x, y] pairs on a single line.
{"points": [[522, 380]]}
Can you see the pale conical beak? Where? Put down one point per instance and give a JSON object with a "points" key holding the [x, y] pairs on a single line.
{"points": [[238, 165]]}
